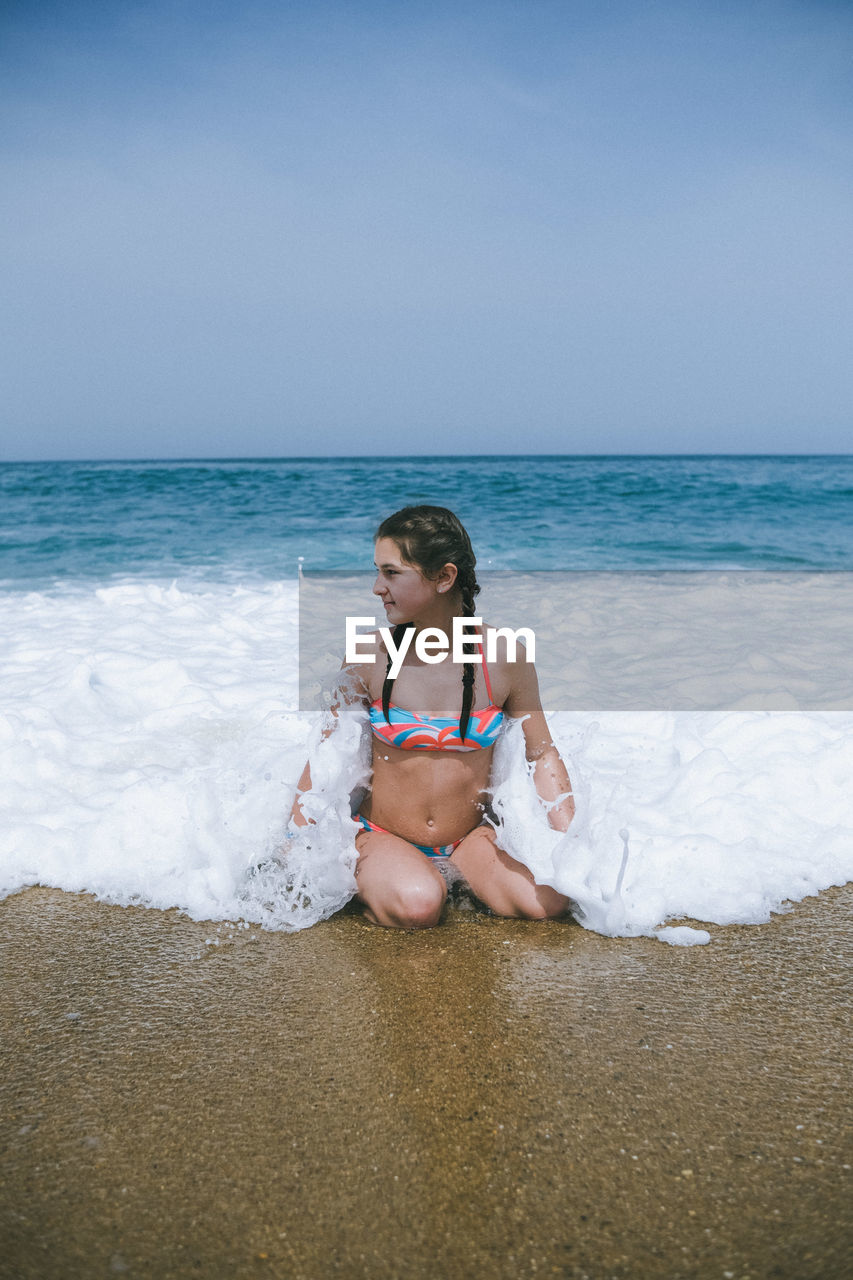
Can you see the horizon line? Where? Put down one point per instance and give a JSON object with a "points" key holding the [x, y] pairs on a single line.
{"points": [[402, 457]]}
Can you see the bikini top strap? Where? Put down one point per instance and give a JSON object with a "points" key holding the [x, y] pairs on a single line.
{"points": [[486, 676]]}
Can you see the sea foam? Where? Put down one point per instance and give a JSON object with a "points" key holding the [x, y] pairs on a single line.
{"points": [[149, 752]]}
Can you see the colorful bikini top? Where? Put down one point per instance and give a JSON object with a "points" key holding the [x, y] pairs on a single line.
{"points": [[411, 732]]}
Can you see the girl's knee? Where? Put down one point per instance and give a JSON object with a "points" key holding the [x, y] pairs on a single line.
{"points": [[417, 905], [545, 904]]}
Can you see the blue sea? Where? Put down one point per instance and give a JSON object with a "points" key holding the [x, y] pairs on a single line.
{"points": [[74, 523]]}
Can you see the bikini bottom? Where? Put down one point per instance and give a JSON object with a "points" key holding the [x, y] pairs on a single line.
{"points": [[431, 850]]}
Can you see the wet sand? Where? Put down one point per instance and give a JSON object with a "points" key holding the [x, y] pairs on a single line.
{"points": [[491, 1098]]}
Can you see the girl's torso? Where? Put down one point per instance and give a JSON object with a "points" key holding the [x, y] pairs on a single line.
{"points": [[428, 783]]}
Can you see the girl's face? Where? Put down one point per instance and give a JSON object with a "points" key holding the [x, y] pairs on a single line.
{"points": [[406, 594]]}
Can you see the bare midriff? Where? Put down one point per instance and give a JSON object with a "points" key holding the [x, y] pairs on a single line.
{"points": [[428, 797]]}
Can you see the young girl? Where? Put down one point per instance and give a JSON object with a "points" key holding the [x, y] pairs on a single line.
{"points": [[434, 728]]}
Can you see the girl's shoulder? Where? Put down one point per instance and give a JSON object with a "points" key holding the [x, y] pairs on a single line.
{"points": [[507, 646], [509, 656]]}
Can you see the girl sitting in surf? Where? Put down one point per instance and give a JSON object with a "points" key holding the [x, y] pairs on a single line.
{"points": [[434, 726]]}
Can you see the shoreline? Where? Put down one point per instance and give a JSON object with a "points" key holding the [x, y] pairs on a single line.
{"points": [[489, 1098]]}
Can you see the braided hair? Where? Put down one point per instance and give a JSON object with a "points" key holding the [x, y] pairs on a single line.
{"points": [[430, 538]]}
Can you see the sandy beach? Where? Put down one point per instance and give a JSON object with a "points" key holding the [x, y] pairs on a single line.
{"points": [[490, 1098]]}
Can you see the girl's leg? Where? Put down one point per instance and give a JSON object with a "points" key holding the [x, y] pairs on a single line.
{"points": [[503, 884], [396, 882]]}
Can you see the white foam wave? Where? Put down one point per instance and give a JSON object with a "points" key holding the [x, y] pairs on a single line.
{"points": [[149, 750]]}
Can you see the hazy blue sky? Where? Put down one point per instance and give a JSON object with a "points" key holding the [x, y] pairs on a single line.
{"points": [[282, 228]]}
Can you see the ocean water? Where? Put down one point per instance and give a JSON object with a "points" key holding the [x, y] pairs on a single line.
{"points": [[150, 737], [64, 524]]}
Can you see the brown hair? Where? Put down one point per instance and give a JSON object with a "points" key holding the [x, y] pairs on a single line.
{"points": [[429, 538]]}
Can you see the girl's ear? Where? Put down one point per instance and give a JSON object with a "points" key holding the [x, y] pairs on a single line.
{"points": [[447, 577]]}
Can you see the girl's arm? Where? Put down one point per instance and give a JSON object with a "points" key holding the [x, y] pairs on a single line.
{"points": [[349, 691], [550, 775], [297, 817]]}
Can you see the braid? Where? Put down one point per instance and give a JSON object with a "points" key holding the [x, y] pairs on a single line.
{"points": [[470, 588], [399, 631]]}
